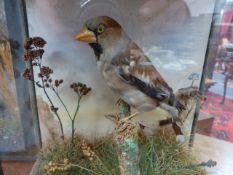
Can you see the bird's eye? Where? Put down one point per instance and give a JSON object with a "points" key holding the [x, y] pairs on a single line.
{"points": [[100, 28]]}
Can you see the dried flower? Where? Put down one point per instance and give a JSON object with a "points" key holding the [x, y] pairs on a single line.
{"points": [[28, 43], [35, 41], [56, 83], [87, 91], [52, 167], [60, 81], [46, 71], [54, 109], [87, 151], [50, 80], [31, 55], [72, 86], [27, 75], [47, 85], [80, 88], [38, 42]]}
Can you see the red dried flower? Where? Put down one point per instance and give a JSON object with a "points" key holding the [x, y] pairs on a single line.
{"points": [[30, 55], [56, 83], [60, 81], [35, 41], [38, 42], [46, 71], [28, 43]]}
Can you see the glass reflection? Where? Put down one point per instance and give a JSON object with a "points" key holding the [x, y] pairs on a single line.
{"points": [[217, 114], [11, 134]]}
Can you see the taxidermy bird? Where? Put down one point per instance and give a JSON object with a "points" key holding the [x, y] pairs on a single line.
{"points": [[126, 69]]}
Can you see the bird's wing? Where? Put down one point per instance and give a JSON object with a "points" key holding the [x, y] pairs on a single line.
{"points": [[136, 68]]}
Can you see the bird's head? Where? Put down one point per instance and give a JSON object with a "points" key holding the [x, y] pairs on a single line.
{"points": [[102, 33]]}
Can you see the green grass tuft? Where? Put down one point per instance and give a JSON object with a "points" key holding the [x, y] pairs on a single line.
{"points": [[158, 156]]}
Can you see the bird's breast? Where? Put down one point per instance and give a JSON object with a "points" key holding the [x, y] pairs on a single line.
{"points": [[127, 92]]}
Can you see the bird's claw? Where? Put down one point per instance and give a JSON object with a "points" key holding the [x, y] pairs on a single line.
{"points": [[175, 119]]}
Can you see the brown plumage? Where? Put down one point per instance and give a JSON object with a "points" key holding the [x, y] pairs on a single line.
{"points": [[126, 69]]}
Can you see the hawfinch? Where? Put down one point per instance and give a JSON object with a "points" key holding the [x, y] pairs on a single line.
{"points": [[126, 69]]}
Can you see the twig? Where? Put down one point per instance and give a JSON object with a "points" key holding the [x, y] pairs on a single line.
{"points": [[51, 103], [74, 117], [63, 104], [210, 163]]}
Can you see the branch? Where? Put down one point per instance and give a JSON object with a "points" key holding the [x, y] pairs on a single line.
{"points": [[63, 104], [74, 117], [52, 105]]}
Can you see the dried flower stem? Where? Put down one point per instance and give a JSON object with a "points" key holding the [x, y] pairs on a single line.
{"points": [[51, 103], [60, 167], [74, 117], [33, 53], [63, 104]]}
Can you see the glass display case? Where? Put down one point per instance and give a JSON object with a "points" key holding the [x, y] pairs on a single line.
{"points": [[154, 68], [19, 130], [164, 37]]}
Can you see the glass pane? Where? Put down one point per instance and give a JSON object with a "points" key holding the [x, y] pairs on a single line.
{"points": [[11, 132], [173, 35], [19, 134], [217, 113]]}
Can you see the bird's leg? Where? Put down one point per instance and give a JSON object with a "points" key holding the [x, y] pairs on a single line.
{"points": [[172, 110], [176, 123]]}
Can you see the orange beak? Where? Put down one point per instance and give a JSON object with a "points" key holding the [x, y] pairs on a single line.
{"points": [[85, 35]]}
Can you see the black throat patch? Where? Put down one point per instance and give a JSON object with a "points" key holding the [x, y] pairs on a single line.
{"points": [[98, 50]]}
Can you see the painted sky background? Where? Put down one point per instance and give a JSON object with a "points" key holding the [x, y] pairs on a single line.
{"points": [[175, 42]]}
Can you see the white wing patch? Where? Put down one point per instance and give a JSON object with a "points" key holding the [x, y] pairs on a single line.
{"points": [[145, 78]]}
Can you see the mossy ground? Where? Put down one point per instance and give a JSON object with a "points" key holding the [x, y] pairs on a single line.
{"points": [[159, 155]]}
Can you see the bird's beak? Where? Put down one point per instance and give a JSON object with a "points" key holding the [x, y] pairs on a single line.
{"points": [[85, 35]]}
